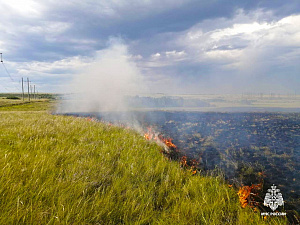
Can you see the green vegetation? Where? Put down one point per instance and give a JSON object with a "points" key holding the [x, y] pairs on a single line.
{"points": [[67, 170], [19, 105], [12, 97], [38, 96]]}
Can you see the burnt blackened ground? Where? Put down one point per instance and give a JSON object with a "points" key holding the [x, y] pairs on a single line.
{"points": [[247, 147]]}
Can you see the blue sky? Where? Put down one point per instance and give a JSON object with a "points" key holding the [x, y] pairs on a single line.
{"points": [[179, 47]]}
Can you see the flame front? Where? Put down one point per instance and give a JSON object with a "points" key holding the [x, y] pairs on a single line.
{"points": [[168, 142], [151, 135], [170, 146], [246, 194]]}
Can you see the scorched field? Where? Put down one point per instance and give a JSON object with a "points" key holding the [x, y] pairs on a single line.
{"points": [[248, 148]]}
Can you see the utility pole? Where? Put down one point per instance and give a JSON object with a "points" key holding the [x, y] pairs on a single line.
{"points": [[28, 88], [22, 89], [1, 57], [34, 91], [31, 91]]}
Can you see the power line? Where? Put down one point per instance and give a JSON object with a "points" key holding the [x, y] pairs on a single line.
{"points": [[22, 89], [17, 88], [5, 88], [8, 74], [28, 89]]}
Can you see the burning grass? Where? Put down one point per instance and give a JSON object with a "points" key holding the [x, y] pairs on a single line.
{"points": [[67, 170], [171, 151], [247, 195], [245, 146]]}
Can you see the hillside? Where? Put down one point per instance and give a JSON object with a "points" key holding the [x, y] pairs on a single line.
{"points": [[68, 170]]}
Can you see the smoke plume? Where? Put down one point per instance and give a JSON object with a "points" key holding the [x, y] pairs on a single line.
{"points": [[104, 83]]}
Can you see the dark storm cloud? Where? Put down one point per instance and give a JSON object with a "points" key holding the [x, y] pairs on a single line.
{"points": [[134, 21], [187, 40], [131, 21]]}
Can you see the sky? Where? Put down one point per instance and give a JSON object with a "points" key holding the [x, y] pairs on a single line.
{"points": [[178, 47]]}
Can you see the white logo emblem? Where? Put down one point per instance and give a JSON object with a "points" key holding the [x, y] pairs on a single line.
{"points": [[274, 198]]}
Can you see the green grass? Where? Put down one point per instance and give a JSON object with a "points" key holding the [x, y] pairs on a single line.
{"points": [[38, 96], [19, 105], [67, 170]]}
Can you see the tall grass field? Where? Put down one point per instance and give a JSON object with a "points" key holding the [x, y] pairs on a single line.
{"points": [[68, 170]]}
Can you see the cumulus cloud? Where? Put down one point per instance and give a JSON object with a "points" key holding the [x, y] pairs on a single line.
{"points": [[53, 75], [25, 8], [163, 59], [236, 38], [248, 48], [185, 40], [156, 55], [175, 54]]}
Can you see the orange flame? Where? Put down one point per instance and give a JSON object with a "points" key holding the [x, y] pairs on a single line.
{"points": [[245, 193], [150, 135], [168, 142], [147, 137], [183, 161]]}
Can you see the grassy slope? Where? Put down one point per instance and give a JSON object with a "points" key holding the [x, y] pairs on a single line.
{"points": [[65, 170]]}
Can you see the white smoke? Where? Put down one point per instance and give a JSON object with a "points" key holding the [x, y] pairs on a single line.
{"points": [[103, 84]]}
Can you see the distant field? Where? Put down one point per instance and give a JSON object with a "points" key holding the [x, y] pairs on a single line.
{"points": [[37, 96], [68, 170], [250, 101], [19, 105], [201, 103]]}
